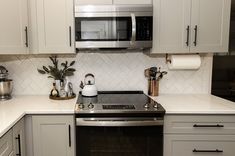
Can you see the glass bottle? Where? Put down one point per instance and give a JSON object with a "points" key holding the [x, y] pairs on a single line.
{"points": [[54, 91]]}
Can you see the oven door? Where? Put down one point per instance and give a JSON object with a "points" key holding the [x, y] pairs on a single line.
{"points": [[113, 30], [119, 137]]}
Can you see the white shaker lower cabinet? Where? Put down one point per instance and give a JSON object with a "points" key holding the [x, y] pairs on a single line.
{"points": [[53, 135], [19, 138], [14, 27], [6, 147], [199, 135]]}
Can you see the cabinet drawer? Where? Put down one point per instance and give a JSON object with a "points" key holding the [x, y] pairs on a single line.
{"points": [[6, 144], [178, 145], [201, 124]]}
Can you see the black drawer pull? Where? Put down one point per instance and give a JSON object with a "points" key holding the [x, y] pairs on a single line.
{"points": [[208, 151], [19, 145], [69, 136], [218, 125]]}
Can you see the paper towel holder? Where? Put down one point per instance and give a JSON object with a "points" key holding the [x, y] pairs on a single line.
{"points": [[167, 59]]}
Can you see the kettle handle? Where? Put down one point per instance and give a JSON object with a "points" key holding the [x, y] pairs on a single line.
{"points": [[89, 74]]}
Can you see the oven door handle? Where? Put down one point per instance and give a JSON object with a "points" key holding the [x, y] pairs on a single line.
{"points": [[115, 122], [133, 34]]}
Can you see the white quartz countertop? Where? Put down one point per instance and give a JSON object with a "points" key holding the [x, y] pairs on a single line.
{"points": [[13, 110], [195, 104]]}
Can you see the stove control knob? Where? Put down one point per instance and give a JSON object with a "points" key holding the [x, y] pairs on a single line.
{"points": [[146, 106], [81, 106], [90, 106], [155, 105]]}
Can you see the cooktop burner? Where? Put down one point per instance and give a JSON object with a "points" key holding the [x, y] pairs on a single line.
{"points": [[118, 102]]}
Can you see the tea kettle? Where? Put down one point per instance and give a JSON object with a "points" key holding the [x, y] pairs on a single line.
{"points": [[89, 89]]}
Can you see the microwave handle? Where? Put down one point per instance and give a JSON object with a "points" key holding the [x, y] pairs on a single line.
{"points": [[133, 34]]}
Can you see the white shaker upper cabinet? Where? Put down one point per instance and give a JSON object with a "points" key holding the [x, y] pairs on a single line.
{"points": [[132, 1], [93, 2], [210, 25], [171, 26], [55, 26], [195, 26], [13, 27]]}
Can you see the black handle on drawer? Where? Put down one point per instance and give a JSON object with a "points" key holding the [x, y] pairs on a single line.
{"points": [[218, 125], [19, 145], [26, 37], [187, 42], [208, 151], [69, 136]]}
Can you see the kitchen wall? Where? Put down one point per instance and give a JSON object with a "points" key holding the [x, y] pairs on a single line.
{"points": [[113, 71]]}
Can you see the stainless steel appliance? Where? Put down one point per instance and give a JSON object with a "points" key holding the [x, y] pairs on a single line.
{"points": [[119, 123], [113, 26], [6, 84]]}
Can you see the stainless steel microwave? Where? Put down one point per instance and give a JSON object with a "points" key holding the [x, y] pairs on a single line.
{"points": [[114, 26]]}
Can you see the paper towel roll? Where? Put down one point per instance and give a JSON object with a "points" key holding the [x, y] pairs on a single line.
{"points": [[180, 62]]}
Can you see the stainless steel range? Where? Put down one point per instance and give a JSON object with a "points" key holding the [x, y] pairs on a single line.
{"points": [[119, 123]]}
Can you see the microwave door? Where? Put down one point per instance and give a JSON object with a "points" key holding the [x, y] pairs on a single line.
{"points": [[104, 32]]}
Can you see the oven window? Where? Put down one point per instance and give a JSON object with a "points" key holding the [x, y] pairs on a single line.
{"points": [[103, 29], [119, 141]]}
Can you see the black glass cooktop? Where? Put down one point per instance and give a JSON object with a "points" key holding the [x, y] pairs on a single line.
{"points": [[116, 97]]}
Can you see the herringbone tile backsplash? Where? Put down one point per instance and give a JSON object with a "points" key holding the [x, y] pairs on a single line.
{"points": [[113, 71]]}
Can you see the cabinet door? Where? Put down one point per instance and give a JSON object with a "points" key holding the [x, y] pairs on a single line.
{"points": [[199, 145], [210, 25], [19, 138], [55, 22], [171, 20], [93, 2], [6, 144], [53, 135], [132, 2], [13, 26]]}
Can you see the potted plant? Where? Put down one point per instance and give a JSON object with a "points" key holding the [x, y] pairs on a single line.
{"points": [[57, 73]]}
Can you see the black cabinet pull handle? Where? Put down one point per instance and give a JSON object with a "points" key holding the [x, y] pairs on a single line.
{"points": [[195, 39], [70, 37], [19, 145], [208, 151], [69, 136], [218, 125], [187, 42], [26, 37]]}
